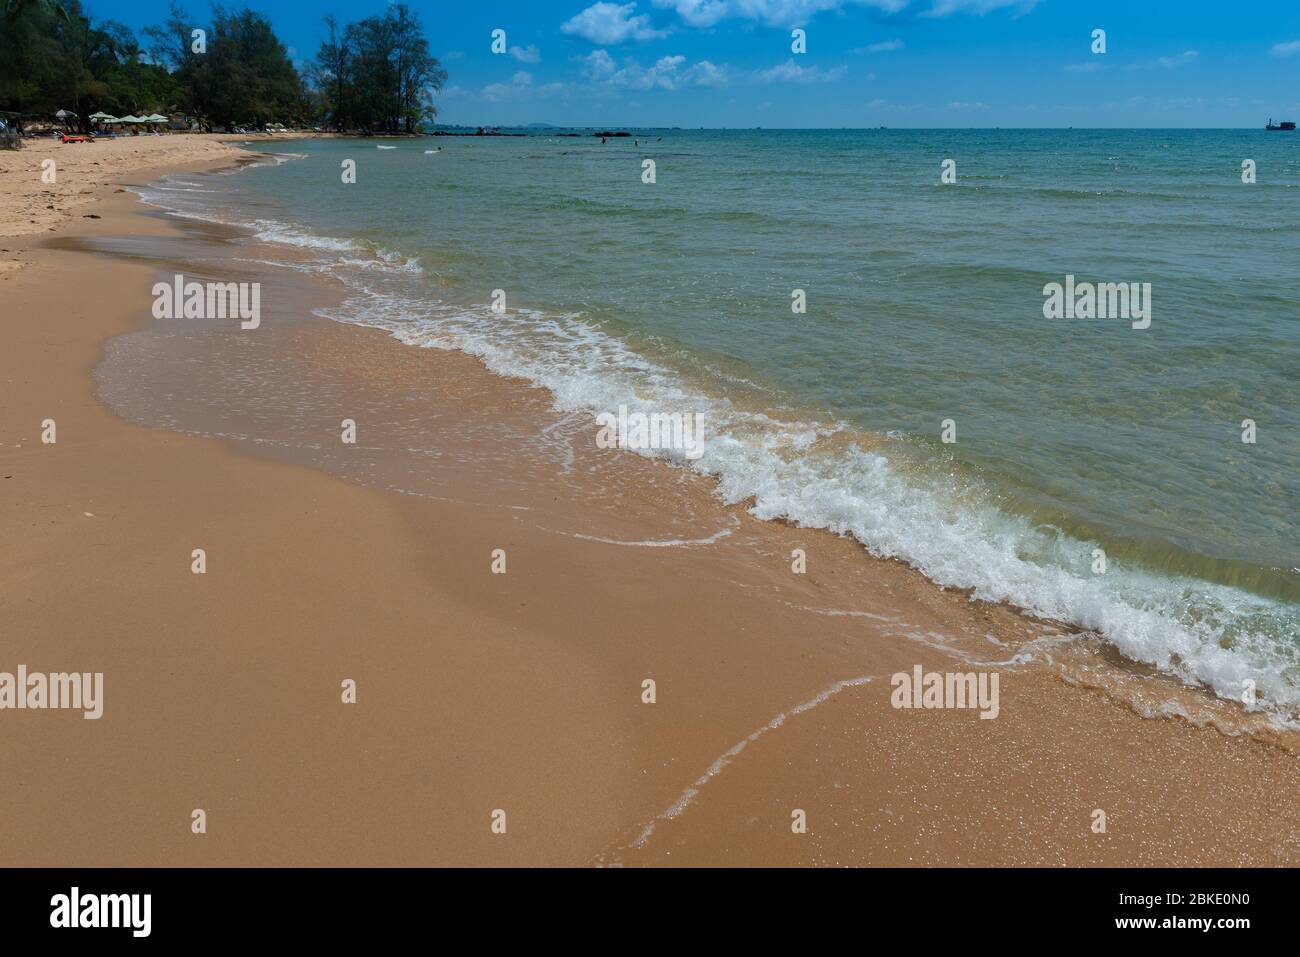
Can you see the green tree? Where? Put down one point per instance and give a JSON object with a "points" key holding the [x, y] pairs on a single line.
{"points": [[332, 75], [376, 75], [389, 78]]}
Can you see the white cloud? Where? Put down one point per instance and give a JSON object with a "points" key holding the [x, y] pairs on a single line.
{"points": [[612, 23], [519, 84], [706, 73], [599, 65], [884, 46], [528, 54], [699, 13], [945, 8], [667, 73], [791, 72], [1166, 62], [879, 104], [1092, 66], [773, 13], [1169, 62], [793, 13], [960, 105], [1286, 49]]}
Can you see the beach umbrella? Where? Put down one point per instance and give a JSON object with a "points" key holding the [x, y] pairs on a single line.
{"points": [[155, 118], [130, 118]]}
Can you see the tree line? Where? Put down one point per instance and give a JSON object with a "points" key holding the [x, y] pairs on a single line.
{"points": [[374, 75]]}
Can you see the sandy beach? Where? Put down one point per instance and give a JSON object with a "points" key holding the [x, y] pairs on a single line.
{"points": [[480, 692], [32, 204]]}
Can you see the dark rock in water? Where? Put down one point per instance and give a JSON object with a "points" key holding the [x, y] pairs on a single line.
{"points": [[608, 133], [479, 132]]}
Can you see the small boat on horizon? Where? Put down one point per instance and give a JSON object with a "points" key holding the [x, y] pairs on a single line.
{"points": [[1284, 125]]}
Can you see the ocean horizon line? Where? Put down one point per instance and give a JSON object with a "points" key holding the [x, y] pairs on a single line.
{"points": [[837, 129]]}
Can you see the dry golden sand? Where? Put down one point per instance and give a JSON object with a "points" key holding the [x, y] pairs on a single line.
{"points": [[519, 691]]}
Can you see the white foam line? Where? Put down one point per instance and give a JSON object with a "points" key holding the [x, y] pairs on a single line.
{"points": [[458, 501], [837, 613], [283, 443], [687, 796], [571, 424], [670, 543], [1023, 657]]}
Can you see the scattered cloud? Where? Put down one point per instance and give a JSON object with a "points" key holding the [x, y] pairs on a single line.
{"points": [[880, 104], [610, 24], [676, 73], [884, 46], [773, 13], [791, 72], [960, 105], [795, 13], [1091, 66], [666, 73], [599, 65], [945, 8], [698, 13], [1290, 48], [1171, 62], [528, 54], [1166, 62], [706, 73], [519, 85]]}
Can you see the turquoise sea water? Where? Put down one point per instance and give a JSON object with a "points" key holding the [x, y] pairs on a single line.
{"points": [[924, 304]]}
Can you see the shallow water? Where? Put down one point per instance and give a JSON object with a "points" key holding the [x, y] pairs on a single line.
{"points": [[924, 304]]}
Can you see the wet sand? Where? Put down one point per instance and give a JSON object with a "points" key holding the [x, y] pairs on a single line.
{"points": [[519, 691]]}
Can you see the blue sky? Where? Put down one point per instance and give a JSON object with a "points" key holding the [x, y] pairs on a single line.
{"points": [[896, 63]]}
